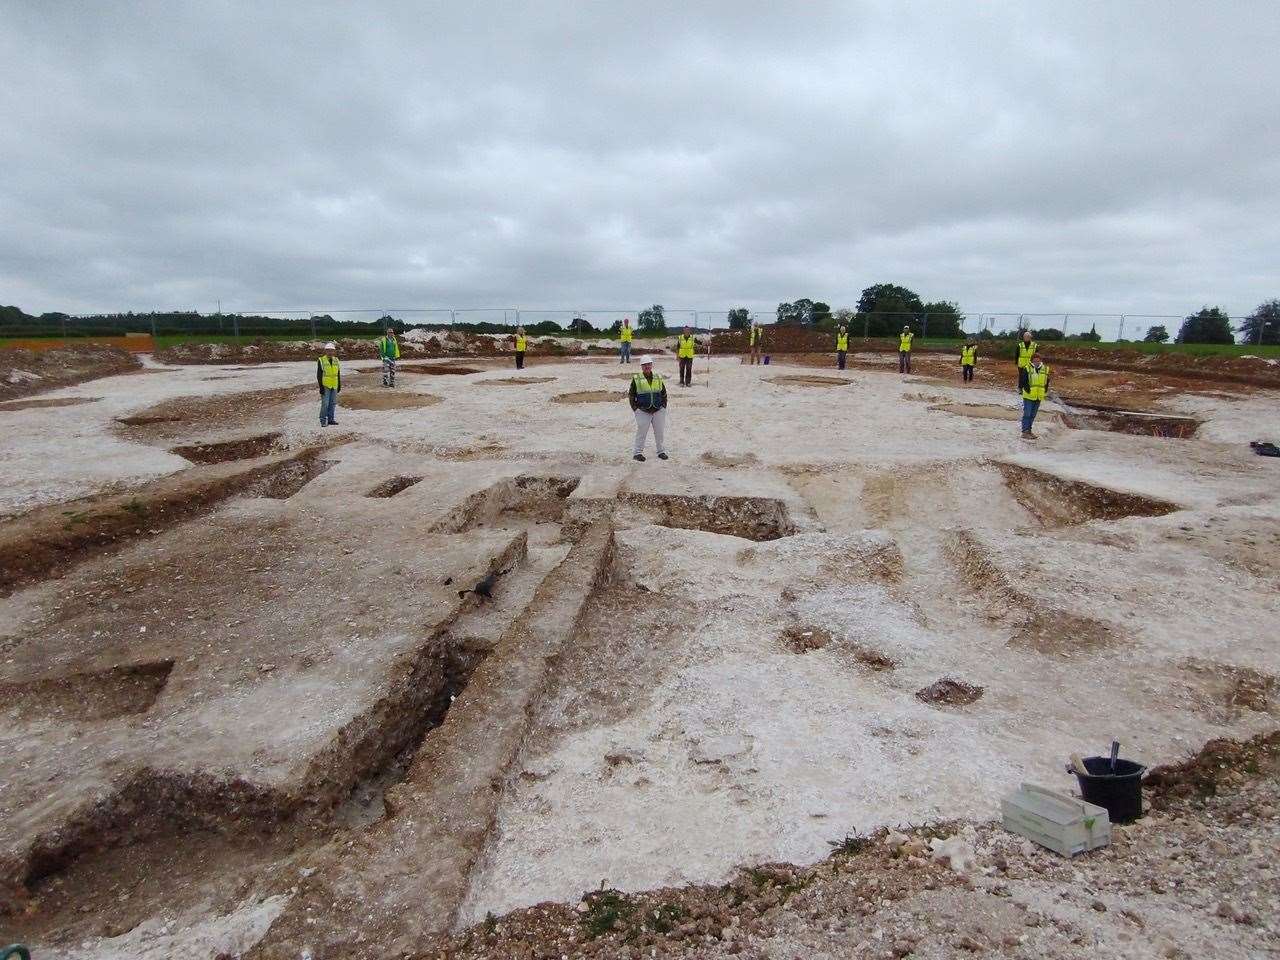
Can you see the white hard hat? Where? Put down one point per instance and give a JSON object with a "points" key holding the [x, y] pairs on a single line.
{"points": [[331, 345], [646, 361]]}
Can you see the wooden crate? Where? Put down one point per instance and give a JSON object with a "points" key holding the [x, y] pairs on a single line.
{"points": [[1064, 824]]}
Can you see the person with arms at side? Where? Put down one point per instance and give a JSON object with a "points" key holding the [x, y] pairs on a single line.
{"points": [[1033, 394], [842, 346], [389, 351], [522, 344], [329, 380], [1026, 350], [625, 336], [648, 397], [904, 350], [686, 347], [757, 340], [968, 357]]}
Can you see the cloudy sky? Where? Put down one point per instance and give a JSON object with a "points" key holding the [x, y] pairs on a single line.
{"points": [[1106, 157]]}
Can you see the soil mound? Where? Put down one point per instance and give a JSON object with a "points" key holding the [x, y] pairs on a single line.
{"points": [[25, 372], [950, 691]]}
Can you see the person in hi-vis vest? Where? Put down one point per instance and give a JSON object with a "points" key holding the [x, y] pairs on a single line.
{"points": [[968, 357], [842, 347], [389, 351], [625, 336], [522, 344], [904, 350], [1033, 394], [757, 340], [686, 347], [1027, 348], [648, 398], [329, 380]]}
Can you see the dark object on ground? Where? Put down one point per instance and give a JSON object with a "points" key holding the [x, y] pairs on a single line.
{"points": [[448, 580], [484, 588], [1119, 792], [948, 690], [1265, 448]]}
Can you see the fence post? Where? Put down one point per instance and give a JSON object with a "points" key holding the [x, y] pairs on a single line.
{"points": [[924, 326], [313, 325], [1120, 333]]}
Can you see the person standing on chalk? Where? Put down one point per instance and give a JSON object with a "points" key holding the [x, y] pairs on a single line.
{"points": [[522, 343], [685, 349], [648, 396], [842, 346], [389, 351], [625, 336], [329, 379], [757, 341], [904, 350], [968, 357], [1033, 394]]}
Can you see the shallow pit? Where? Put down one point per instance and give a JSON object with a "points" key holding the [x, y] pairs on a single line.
{"points": [[515, 501], [1059, 502], [389, 488], [1093, 416], [589, 396], [385, 398], [40, 404], [225, 450], [809, 380], [289, 479], [115, 691], [435, 369], [513, 381], [752, 518], [980, 411], [145, 421]]}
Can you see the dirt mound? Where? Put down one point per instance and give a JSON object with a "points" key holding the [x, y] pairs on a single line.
{"points": [[25, 372], [1058, 502], [39, 404], [803, 639], [1219, 763], [809, 380], [513, 381], [224, 450], [374, 398], [589, 396], [950, 691], [1234, 688], [980, 411]]}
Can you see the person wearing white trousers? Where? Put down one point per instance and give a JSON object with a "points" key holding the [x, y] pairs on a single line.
{"points": [[648, 396]]}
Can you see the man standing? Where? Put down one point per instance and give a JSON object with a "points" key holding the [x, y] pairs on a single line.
{"points": [[522, 344], [685, 349], [648, 396], [757, 341], [624, 339], [904, 350], [329, 379], [1033, 393], [389, 351], [968, 357], [1026, 350], [842, 346]]}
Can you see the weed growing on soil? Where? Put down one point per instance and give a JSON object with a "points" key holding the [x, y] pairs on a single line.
{"points": [[607, 910], [850, 846]]}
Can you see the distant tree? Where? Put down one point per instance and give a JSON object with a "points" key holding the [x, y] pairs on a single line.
{"points": [[944, 319], [1156, 335], [1263, 325], [1048, 333], [387, 320], [579, 325], [843, 316], [739, 318], [615, 327], [1210, 325], [804, 312], [885, 308], [544, 328], [985, 334], [1090, 336], [651, 319]]}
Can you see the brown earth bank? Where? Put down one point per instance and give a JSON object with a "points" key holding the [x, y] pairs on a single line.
{"points": [[27, 372], [1195, 877], [1248, 371]]}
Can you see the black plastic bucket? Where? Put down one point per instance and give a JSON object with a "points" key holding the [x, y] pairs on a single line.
{"points": [[1120, 792]]}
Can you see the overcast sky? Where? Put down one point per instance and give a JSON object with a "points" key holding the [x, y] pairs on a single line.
{"points": [[1023, 156]]}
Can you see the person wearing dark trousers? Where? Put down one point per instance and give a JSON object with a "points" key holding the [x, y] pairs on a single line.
{"points": [[1033, 394], [522, 343], [968, 357], [904, 350], [1026, 350], [329, 380], [648, 397], [685, 349], [842, 347]]}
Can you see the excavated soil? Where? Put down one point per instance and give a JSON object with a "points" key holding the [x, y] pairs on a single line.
{"points": [[514, 381], [589, 396], [26, 372], [950, 691], [752, 518], [809, 380], [717, 458], [1058, 502], [437, 369], [523, 499], [385, 399], [1092, 416], [803, 639], [389, 488], [94, 695], [288, 480], [38, 404], [224, 450], [172, 421], [980, 411]]}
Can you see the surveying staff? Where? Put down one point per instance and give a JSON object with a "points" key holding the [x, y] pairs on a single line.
{"points": [[904, 350], [685, 348], [648, 396], [624, 340], [1033, 393], [757, 341], [968, 357], [522, 344], [329, 380], [389, 351], [842, 347], [1026, 350]]}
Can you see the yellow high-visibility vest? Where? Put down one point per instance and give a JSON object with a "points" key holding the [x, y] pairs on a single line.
{"points": [[685, 347], [842, 341], [967, 355], [625, 334], [648, 393], [1037, 383], [756, 333], [904, 342], [329, 367], [388, 348], [520, 343], [1025, 352]]}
